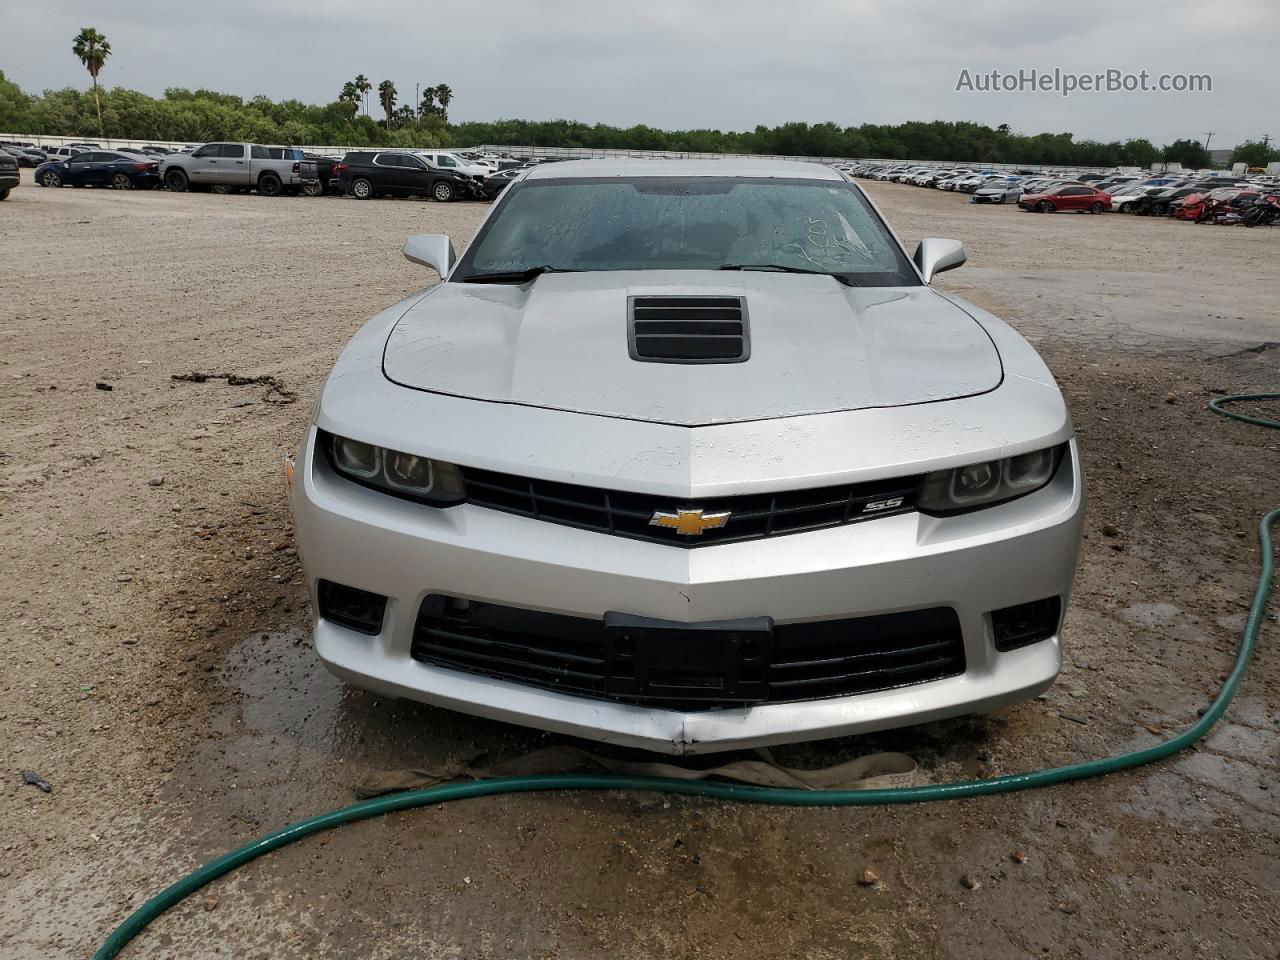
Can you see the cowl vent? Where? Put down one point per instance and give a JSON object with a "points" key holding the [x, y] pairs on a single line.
{"points": [[688, 329]]}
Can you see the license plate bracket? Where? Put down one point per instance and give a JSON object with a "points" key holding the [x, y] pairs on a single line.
{"points": [[718, 660]]}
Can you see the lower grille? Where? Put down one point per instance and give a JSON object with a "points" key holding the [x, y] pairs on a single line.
{"points": [[798, 661]]}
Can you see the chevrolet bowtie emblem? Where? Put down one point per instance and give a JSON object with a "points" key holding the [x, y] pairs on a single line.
{"points": [[689, 523]]}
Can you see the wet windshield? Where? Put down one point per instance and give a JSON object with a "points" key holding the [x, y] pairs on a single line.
{"points": [[687, 223]]}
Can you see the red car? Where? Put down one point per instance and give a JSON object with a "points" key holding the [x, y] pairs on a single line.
{"points": [[1068, 197]]}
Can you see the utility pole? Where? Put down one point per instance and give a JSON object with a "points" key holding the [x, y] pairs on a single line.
{"points": [[1207, 138], [417, 103]]}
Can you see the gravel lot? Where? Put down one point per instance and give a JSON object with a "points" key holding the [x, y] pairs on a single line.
{"points": [[158, 677]]}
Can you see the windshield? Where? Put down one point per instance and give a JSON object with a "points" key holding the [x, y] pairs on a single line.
{"points": [[687, 223]]}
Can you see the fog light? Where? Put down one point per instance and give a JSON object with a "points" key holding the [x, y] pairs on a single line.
{"points": [[350, 607], [1025, 624]]}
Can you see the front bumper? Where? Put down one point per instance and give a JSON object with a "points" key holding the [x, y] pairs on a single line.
{"points": [[1014, 553]]}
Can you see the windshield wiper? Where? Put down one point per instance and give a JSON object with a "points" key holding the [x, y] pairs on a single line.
{"points": [[845, 278], [513, 276]]}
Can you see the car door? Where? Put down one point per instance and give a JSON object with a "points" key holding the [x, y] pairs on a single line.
{"points": [[415, 174], [389, 177], [84, 169], [232, 166], [203, 164], [1072, 198]]}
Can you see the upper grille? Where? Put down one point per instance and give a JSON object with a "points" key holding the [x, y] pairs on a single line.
{"points": [[799, 661], [688, 329], [751, 517]]}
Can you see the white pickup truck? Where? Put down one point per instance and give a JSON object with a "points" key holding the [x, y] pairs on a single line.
{"points": [[447, 160], [229, 167]]}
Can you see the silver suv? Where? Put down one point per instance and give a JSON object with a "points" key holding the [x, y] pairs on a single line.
{"points": [[227, 167]]}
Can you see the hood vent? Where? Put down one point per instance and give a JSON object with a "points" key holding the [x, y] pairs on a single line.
{"points": [[688, 329]]}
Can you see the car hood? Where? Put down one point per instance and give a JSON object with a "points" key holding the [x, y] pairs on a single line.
{"points": [[817, 346]]}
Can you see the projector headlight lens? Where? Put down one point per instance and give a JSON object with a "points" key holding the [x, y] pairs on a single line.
{"points": [[402, 474], [983, 484]]}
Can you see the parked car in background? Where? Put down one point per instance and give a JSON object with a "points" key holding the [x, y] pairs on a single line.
{"points": [[317, 175], [23, 157], [365, 174], [9, 175], [1123, 197], [100, 168], [1110, 184], [37, 154], [998, 190], [1077, 197], [495, 184], [1158, 204], [64, 153], [234, 166], [970, 183], [455, 163]]}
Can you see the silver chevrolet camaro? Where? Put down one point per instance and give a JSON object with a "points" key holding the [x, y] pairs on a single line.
{"points": [[688, 455]]}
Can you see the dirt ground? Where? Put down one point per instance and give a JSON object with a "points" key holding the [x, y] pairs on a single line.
{"points": [[157, 672]]}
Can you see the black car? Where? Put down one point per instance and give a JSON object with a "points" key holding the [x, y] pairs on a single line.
{"points": [[1159, 204], [23, 157], [9, 177], [497, 182], [319, 175], [100, 168], [368, 173]]}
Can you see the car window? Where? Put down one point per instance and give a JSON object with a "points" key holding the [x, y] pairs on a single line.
{"points": [[232, 151], [446, 161], [409, 160], [84, 158], [387, 159], [259, 153], [208, 150], [692, 223]]}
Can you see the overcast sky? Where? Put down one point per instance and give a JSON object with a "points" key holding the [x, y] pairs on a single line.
{"points": [[728, 64]]}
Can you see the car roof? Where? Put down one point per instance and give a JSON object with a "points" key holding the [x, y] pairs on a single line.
{"points": [[627, 167]]}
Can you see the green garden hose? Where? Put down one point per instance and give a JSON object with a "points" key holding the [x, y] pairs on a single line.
{"points": [[137, 921]]}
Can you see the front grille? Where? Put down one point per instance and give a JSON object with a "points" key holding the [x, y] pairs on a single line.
{"points": [[801, 661], [687, 329], [751, 516]]}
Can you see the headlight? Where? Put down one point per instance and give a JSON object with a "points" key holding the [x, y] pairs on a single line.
{"points": [[982, 484], [402, 474]]}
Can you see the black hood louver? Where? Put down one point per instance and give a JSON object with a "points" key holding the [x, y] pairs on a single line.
{"points": [[688, 329]]}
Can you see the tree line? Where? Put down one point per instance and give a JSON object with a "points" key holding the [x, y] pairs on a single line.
{"points": [[202, 115]]}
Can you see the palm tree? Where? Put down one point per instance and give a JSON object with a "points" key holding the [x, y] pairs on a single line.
{"points": [[443, 96], [387, 96], [92, 49], [364, 86], [350, 96], [428, 102]]}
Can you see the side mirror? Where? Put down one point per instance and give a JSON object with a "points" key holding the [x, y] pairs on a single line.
{"points": [[432, 250], [935, 256]]}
